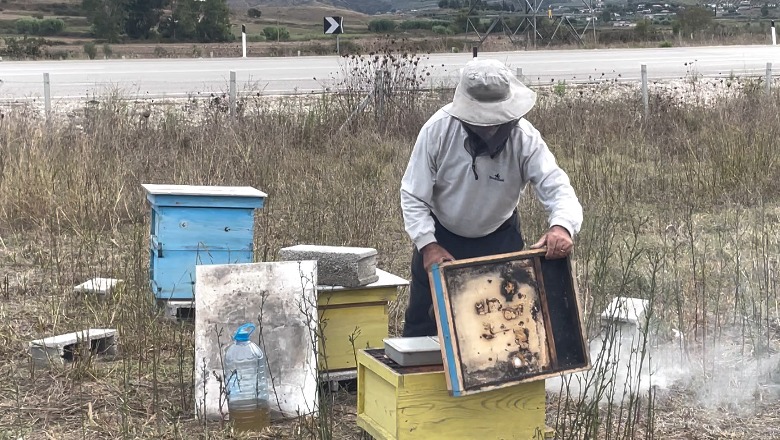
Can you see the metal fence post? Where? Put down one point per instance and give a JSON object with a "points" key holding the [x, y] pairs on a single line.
{"points": [[645, 96], [47, 94], [768, 79], [232, 93]]}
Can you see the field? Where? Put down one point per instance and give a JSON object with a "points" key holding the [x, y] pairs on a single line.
{"points": [[681, 209]]}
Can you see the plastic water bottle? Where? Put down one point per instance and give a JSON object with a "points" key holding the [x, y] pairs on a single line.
{"points": [[247, 383]]}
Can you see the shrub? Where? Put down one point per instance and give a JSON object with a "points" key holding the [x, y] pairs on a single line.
{"points": [[275, 33], [381, 25], [254, 13], [91, 50], [416, 24], [33, 26], [442, 30], [23, 47], [107, 50]]}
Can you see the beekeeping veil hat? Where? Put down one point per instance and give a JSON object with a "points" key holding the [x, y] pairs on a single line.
{"points": [[489, 94]]}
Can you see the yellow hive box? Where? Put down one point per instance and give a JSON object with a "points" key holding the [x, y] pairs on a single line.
{"points": [[352, 318], [413, 403]]}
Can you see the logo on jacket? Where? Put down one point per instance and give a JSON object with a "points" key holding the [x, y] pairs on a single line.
{"points": [[497, 177]]}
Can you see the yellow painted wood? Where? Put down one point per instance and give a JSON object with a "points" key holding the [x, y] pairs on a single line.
{"points": [[377, 404], [367, 324], [327, 298], [370, 364], [422, 408]]}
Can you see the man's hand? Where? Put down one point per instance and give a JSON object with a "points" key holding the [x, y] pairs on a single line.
{"points": [[558, 241], [433, 253]]}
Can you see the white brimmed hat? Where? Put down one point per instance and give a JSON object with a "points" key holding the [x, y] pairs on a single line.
{"points": [[489, 94]]}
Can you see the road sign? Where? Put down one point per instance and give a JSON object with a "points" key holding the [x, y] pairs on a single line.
{"points": [[333, 25]]}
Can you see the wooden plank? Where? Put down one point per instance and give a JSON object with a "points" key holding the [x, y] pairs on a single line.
{"points": [[377, 398], [367, 324], [497, 321], [447, 339], [435, 415], [543, 300], [328, 299], [493, 315], [581, 322], [203, 190]]}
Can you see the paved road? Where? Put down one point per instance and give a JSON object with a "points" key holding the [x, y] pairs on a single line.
{"points": [[183, 77]]}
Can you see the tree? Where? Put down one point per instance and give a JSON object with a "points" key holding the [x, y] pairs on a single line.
{"points": [[214, 24], [143, 16], [765, 10], [181, 24], [693, 19], [107, 17], [644, 29], [254, 13]]}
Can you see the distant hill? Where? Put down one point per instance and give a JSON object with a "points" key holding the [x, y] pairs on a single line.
{"points": [[364, 6]]}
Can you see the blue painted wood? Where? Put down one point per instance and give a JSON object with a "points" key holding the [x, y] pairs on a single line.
{"points": [[205, 201], [451, 371], [193, 225], [174, 273], [201, 229]]}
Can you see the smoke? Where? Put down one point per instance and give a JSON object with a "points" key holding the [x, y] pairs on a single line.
{"points": [[728, 372]]}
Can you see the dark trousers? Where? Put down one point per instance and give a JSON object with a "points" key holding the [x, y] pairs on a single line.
{"points": [[419, 314]]}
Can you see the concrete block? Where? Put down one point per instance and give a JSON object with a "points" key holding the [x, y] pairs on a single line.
{"points": [[337, 265], [68, 347], [101, 286]]}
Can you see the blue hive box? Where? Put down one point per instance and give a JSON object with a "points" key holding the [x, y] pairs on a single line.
{"points": [[193, 225]]}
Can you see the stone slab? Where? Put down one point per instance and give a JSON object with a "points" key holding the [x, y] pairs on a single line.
{"points": [[65, 348], [337, 265], [386, 279], [281, 300]]}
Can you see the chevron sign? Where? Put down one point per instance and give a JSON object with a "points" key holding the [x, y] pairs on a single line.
{"points": [[333, 25]]}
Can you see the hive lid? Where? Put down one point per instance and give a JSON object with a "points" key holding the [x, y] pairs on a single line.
{"points": [[197, 190], [413, 344]]}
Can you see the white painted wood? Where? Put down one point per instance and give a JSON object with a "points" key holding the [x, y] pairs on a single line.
{"points": [[172, 308], [629, 310], [196, 190], [280, 299], [51, 350], [98, 285]]}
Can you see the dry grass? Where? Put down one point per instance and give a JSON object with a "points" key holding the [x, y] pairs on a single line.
{"points": [[681, 208]]}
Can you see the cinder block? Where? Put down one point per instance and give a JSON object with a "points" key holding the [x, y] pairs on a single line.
{"points": [[68, 347], [101, 286], [337, 265]]}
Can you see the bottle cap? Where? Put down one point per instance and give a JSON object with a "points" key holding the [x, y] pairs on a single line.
{"points": [[243, 332]]}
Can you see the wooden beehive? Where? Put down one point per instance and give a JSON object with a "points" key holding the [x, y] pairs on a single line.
{"points": [[193, 225], [507, 319], [352, 318], [413, 403]]}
